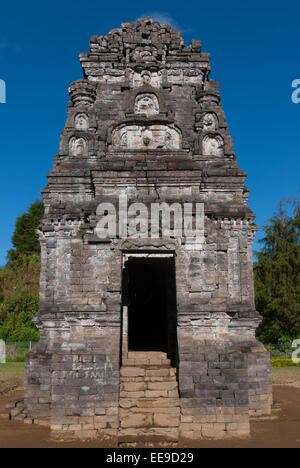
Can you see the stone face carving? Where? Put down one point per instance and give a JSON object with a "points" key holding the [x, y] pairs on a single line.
{"points": [[210, 122], [78, 146], [146, 78], [146, 104], [150, 137], [213, 145], [81, 122]]}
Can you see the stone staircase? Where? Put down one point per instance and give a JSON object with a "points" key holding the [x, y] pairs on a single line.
{"points": [[149, 401]]}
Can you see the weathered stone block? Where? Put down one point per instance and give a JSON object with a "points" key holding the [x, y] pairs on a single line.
{"points": [[137, 420], [165, 420]]}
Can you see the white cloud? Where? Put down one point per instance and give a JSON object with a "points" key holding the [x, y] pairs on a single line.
{"points": [[161, 17], [165, 18]]}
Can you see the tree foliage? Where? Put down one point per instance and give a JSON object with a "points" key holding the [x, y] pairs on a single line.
{"points": [[277, 276], [19, 280], [24, 238]]}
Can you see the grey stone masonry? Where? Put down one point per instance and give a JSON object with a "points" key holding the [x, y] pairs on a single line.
{"points": [[146, 121], [149, 400]]}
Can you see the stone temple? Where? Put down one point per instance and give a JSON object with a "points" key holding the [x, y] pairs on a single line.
{"points": [[142, 335]]}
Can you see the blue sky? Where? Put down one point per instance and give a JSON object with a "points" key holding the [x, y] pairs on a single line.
{"points": [[254, 50]]}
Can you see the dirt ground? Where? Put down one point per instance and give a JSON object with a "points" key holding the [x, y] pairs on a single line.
{"points": [[282, 432]]}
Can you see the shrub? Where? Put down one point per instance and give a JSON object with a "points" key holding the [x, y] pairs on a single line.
{"points": [[283, 363]]}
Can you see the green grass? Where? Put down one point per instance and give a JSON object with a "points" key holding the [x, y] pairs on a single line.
{"points": [[11, 375]]}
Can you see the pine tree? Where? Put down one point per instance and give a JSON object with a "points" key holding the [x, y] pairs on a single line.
{"points": [[25, 239], [277, 277]]}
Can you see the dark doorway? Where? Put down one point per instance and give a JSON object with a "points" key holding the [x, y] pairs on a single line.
{"points": [[151, 299]]}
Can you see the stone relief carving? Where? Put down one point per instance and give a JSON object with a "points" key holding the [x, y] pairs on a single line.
{"points": [[150, 137], [144, 54], [123, 139], [151, 244], [146, 104], [213, 145], [193, 76], [146, 78], [78, 146], [209, 100], [179, 76], [81, 122], [210, 122], [104, 75]]}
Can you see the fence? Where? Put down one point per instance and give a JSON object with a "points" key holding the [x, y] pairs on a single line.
{"points": [[16, 351], [279, 351]]}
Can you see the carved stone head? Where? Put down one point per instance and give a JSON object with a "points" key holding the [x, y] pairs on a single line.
{"points": [[210, 122], [146, 104], [81, 122]]}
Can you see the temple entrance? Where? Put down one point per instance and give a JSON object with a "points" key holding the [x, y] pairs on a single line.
{"points": [[149, 290]]}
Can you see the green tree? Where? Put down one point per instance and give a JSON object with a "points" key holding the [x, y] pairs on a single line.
{"points": [[19, 297], [277, 277], [19, 280], [24, 238]]}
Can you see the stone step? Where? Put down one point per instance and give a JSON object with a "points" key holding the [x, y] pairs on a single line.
{"points": [[151, 358], [157, 372], [168, 434], [149, 399], [150, 442], [149, 394], [149, 403], [144, 371], [149, 419], [146, 362], [149, 379], [145, 386], [134, 374], [147, 355], [172, 410]]}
